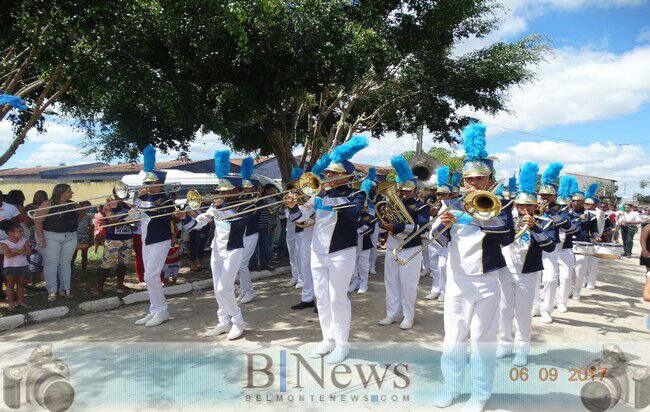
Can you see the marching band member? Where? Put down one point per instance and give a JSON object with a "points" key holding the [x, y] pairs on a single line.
{"points": [[473, 267], [552, 227], [565, 257], [402, 280], [227, 249], [305, 233], [604, 228], [251, 235], [366, 228], [292, 237], [524, 260], [156, 236], [334, 245], [587, 232], [374, 197], [438, 252]]}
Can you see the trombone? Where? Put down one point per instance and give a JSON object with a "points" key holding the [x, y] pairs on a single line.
{"points": [[480, 204], [120, 192]]}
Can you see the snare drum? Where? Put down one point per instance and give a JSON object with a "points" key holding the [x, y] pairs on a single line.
{"points": [[583, 248], [608, 250]]}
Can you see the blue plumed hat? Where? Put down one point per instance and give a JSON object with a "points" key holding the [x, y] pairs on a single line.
{"points": [[404, 173], [296, 172], [372, 176], [222, 168], [342, 154], [512, 186], [576, 193], [527, 184], [476, 161], [366, 185], [549, 179], [564, 190], [319, 167], [443, 180], [590, 194], [13, 101], [246, 172], [149, 164], [455, 181]]}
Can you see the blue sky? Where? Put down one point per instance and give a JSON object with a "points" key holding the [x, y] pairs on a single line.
{"points": [[591, 95]]}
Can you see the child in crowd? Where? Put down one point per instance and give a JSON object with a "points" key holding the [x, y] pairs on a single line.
{"points": [[173, 262], [15, 249], [84, 235], [99, 233]]}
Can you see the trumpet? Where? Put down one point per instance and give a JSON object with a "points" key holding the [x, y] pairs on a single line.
{"points": [[120, 192], [479, 204]]}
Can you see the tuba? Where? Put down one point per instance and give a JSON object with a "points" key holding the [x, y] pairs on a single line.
{"points": [[392, 209]]}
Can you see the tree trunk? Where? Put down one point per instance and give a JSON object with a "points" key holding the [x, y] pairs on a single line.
{"points": [[281, 145]]}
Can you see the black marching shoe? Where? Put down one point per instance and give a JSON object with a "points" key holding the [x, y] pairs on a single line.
{"points": [[304, 305]]}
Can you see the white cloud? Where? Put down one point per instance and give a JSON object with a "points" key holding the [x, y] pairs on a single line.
{"points": [[644, 35], [52, 154], [55, 132], [578, 86], [626, 164]]}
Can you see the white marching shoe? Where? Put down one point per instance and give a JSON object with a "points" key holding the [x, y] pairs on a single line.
{"points": [[144, 320], [236, 331], [372, 271], [158, 318], [298, 285], [441, 297], [591, 286], [473, 405], [444, 398], [406, 324], [520, 359], [388, 320], [291, 282], [338, 355], [217, 330], [432, 296], [535, 312], [248, 297], [503, 352], [353, 286], [575, 296], [362, 290], [561, 307], [240, 297], [321, 350], [546, 317]]}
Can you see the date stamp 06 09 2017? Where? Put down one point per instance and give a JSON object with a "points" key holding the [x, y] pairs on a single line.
{"points": [[589, 374]]}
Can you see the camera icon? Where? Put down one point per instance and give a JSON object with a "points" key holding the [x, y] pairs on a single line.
{"points": [[43, 380], [622, 382]]}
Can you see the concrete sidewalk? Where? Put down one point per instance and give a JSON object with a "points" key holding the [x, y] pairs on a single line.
{"points": [[613, 312]]}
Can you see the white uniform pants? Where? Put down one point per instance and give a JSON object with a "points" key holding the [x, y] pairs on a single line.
{"points": [[401, 283], [360, 276], [304, 239], [565, 261], [471, 311], [332, 273], [517, 293], [550, 275], [245, 277], [153, 257], [224, 267], [427, 265], [592, 273], [438, 258], [294, 255], [373, 251], [580, 268]]}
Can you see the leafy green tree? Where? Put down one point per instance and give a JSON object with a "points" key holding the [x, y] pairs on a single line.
{"points": [[269, 75]]}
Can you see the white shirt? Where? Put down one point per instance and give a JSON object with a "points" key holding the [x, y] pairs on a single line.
{"points": [[631, 218], [7, 211]]}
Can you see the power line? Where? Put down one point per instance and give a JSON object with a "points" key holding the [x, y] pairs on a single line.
{"points": [[558, 138]]}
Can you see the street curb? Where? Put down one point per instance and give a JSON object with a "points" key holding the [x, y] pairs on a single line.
{"points": [[177, 289], [48, 314], [14, 321], [10, 322], [101, 304], [136, 297]]}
